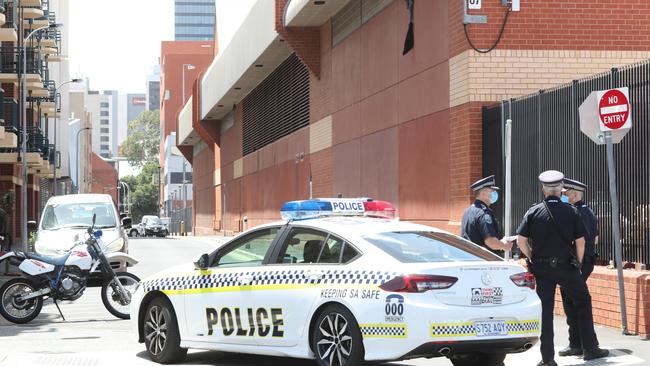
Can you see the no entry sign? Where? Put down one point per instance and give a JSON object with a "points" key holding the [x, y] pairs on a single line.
{"points": [[614, 109]]}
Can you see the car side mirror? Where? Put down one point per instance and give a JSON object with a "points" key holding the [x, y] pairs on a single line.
{"points": [[203, 262]]}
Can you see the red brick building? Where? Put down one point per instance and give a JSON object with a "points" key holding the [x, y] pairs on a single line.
{"points": [[103, 177], [323, 90]]}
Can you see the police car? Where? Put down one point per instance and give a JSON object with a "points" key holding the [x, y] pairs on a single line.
{"points": [[341, 281]]}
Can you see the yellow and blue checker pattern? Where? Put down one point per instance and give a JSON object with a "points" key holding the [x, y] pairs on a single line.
{"points": [[266, 279], [467, 329], [384, 330]]}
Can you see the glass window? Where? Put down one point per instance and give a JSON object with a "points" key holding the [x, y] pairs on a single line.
{"points": [[73, 215], [103, 130], [103, 138], [104, 122], [103, 113], [427, 247], [249, 250], [302, 246], [331, 252], [104, 147], [103, 105], [349, 253]]}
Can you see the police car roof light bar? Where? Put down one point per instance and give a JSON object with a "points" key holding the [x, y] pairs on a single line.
{"points": [[323, 207]]}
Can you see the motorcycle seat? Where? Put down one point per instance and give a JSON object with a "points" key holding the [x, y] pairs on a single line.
{"points": [[55, 261]]}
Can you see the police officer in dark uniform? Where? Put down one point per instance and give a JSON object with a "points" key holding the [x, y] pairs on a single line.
{"points": [[574, 194], [479, 224], [551, 227]]}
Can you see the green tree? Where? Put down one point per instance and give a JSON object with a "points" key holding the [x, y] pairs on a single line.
{"points": [[143, 143], [144, 192]]}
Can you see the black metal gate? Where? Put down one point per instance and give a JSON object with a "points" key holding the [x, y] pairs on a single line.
{"points": [[546, 135]]}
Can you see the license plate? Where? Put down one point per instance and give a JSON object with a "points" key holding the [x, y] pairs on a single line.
{"points": [[490, 328]]}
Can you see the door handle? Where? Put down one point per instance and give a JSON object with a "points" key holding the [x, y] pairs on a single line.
{"points": [[314, 275], [245, 280]]}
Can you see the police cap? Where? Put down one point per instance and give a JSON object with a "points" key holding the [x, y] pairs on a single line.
{"points": [[487, 182], [574, 184], [551, 178]]}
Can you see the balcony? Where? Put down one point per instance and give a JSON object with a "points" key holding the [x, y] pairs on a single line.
{"points": [[11, 65], [32, 13]]}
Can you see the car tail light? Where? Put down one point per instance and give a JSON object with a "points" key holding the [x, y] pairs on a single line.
{"points": [[524, 279], [418, 283]]}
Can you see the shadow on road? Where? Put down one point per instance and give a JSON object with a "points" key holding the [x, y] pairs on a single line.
{"points": [[234, 359]]}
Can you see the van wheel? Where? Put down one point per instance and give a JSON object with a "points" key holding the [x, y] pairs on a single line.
{"points": [[336, 338], [134, 233]]}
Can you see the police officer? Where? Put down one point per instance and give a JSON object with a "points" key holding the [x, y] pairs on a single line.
{"points": [[574, 194], [552, 226], [479, 224]]}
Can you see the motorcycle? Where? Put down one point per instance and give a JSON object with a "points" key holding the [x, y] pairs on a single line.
{"points": [[65, 278]]}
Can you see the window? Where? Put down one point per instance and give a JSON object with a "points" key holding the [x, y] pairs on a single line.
{"points": [[249, 250], [104, 130], [104, 122], [104, 113], [103, 105], [104, 147], [312, 246], [104, 138], [429, 247], [78, 215]]}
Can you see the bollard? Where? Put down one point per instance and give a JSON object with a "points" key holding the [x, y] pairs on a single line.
{"points": [[182, 228]]}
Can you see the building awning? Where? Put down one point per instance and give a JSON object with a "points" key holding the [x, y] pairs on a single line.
{"points": [[254, 52], [186, 134], [311, 13]]}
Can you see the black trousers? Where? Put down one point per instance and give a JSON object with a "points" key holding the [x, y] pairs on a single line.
{"points": [[569, 278], [570, 308]]}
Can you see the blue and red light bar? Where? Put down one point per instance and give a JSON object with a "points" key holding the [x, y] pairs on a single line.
{"points": [[321, 207]]}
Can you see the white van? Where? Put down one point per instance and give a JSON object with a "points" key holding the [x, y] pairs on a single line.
{"points": [[66, 219]]}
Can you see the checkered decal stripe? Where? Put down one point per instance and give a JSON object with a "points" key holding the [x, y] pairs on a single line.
{"points": [[261, 278], [383, 331], [467, 329]]}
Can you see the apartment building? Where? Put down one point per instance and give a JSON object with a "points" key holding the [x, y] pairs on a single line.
{"points": [[194, 20]]}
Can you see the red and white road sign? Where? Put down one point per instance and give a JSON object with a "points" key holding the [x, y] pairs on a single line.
{"points": [[614, 109]]}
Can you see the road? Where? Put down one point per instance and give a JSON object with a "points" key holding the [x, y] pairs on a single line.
{"points": [[92, 336]]}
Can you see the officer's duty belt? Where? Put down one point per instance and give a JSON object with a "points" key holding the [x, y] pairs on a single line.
{"points": [[551, 259]]}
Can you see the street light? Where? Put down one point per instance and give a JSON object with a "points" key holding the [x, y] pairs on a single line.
{"points": [[186, 67], [23, 100], [184, 195], [56, 111], [78, 158]]}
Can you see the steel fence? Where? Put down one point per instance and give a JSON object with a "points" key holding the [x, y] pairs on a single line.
{"points": [[546, 135]]}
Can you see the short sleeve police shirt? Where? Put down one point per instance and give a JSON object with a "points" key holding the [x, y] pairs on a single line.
{"points": [[550, 238], [479, 223]]}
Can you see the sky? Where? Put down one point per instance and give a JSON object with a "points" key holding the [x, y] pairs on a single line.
{"points": [[116, 44]]}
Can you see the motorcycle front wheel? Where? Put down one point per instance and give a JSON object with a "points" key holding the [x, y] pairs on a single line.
{"points": [[111, 296], [15, 310]]}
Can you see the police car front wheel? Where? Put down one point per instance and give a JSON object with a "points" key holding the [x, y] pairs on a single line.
{"points": [[161, 334], [336, 338], [484, 359]]}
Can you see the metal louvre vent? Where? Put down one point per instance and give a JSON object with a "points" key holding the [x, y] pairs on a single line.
{"points": [[277, 107]]}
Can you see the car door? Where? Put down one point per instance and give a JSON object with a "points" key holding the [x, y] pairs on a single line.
{"points": [[220, 310], [295, 275]]}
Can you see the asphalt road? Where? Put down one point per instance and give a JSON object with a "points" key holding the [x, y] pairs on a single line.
{"points": [[92, 336]]}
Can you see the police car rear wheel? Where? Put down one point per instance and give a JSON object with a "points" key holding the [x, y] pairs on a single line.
{"points": [[483, 359], [336, 338], [161, 335]]}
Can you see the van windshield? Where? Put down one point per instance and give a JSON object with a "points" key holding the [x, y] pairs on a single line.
{"points": [[78, 215]]}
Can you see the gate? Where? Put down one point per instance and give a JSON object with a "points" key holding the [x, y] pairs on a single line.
{"points": [[546, 135]]}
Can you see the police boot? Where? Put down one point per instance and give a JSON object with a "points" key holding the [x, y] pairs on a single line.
{"points": [[571, 351], [595, 353], [547, 363]]}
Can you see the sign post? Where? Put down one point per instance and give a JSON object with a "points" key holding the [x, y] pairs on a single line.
{"points": [[605, 118]]}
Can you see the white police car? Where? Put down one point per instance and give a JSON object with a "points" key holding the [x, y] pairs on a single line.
{"points": [[341, 281]]}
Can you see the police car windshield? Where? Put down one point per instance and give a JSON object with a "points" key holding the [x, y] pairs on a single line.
{"points": [[428, 247]]}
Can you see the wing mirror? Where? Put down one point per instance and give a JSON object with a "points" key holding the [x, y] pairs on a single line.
{"points": [[202, 262], [127, 222]]}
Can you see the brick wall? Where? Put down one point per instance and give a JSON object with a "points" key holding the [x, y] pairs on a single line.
{"points": [[203, 192], [603, 286], [104, 177], [466, 128], [305, 41], [557, 25]]}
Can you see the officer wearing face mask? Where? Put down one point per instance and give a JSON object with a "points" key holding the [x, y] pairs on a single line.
{"points": [[479, 223]]}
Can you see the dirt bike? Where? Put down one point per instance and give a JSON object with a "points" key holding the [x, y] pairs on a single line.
{"points": [[65, 278]]}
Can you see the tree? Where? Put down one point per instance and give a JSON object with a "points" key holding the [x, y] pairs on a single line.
{"points": [[143, 143], [144, 193]]}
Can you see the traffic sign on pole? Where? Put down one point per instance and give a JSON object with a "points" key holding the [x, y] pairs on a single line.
{"points": [[614, 109], [605, 118]]}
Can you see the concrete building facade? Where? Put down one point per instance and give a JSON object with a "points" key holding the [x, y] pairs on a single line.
{"points": [[100, 106]]}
